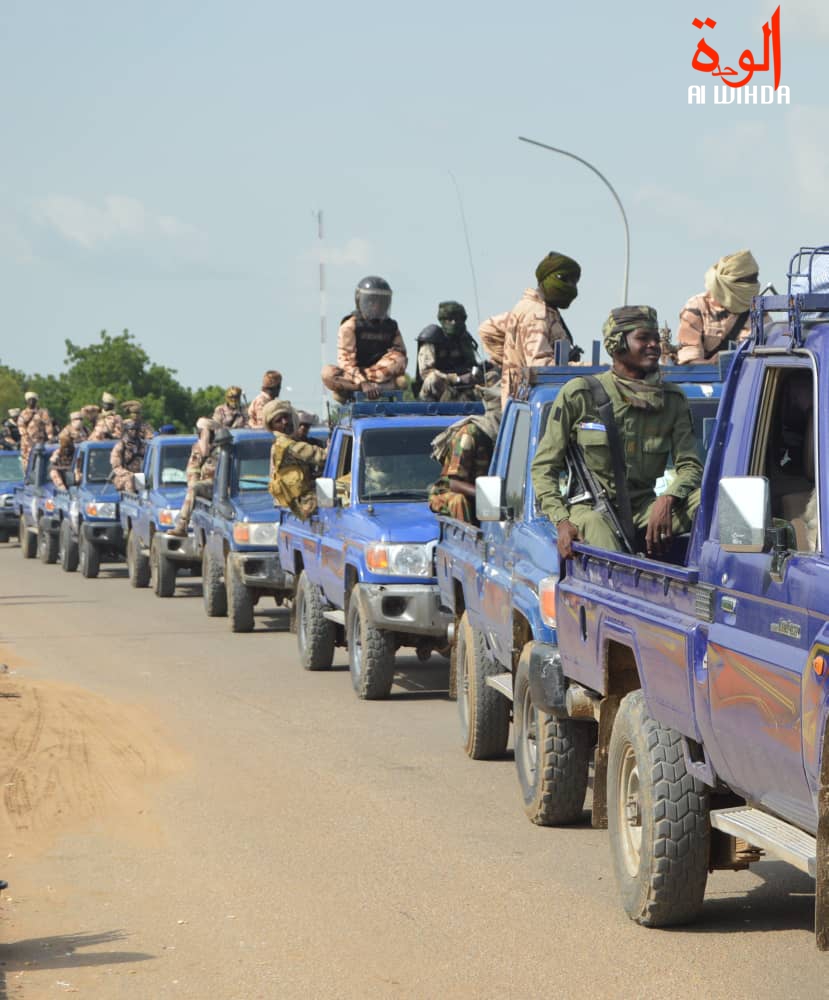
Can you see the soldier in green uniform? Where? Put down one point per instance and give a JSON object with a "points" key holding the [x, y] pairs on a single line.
{"points": [[465, 449], [294, 464], [654, 422]]}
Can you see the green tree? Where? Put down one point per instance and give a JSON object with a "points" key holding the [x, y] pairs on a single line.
{"points": [[12, 387], [206, 400]]}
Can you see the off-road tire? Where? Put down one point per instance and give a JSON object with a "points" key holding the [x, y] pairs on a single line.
{"points": [[214, 592], [89, 559], [162, 571], [4, 537], [483, 712], [67, 548], [552, 757], [47, 546], [239, 600], [315, 635], [138, 562], [370, 653], [28, 540], [661, 865]]}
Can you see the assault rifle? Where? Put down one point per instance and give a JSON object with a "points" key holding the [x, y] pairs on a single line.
{"points": [[583, 486]]}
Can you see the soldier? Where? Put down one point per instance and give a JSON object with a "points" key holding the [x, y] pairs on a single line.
{"points": [[11, 432], [68, 440], [90, 414], [371, 355], [719, 316], [110, 426], [230, 413], [201, 468], [653, 419], [465, 449], [294, 464], [35, 426], [134, 410], [447, 357], [524, 337], [271, 385], [304, 422], [127, 457]]}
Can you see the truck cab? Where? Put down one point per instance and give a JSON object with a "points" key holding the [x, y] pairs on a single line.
{"points": [[35, 507], [11, 479]]}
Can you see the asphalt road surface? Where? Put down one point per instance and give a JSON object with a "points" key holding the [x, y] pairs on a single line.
{"points": [[188, 813]]}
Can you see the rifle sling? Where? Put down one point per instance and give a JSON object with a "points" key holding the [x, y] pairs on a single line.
{"points": [[617, 457], [732, 334]]}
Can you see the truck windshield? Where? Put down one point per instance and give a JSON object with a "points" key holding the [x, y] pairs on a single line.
{"points": [[11, 468], [253, 465], [396, 464], [98, 466], [174, 464]]}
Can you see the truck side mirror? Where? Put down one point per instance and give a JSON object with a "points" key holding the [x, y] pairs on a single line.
{"points": [[326, 492], [489, 498], [140, 481], [743, 513]]}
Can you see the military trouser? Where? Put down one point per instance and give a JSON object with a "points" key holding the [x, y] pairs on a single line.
{"points": [[452, 505], [343, 388], [123, 481], [595, 529], [56, 475]]}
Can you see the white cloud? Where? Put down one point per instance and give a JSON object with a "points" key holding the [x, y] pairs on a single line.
{"points": [[355, 251]]}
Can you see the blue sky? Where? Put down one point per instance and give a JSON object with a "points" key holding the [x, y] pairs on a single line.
{"points": [[162, 165]]}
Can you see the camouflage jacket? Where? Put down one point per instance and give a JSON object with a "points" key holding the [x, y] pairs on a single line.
{"points": [[229, 416], [294, 466]]}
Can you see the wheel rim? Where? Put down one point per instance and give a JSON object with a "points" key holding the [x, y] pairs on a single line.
{"points": [[629, 804], [528, 747], [356, 648], [463, 687], [302, 622]]}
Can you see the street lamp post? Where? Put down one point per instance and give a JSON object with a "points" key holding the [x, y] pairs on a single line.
{"points": [[618, 200]]}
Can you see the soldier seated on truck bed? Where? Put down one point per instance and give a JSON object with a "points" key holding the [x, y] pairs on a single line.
{"points": [[653, 420]]}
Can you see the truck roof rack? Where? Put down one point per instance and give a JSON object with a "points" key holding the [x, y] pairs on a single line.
{"points": [[356, 411]]}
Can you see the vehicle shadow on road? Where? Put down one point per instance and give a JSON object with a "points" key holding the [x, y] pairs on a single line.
{"points": [[275, 620], [420, 680]]}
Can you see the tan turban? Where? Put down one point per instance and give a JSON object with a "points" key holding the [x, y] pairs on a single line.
{"points": [[107, 397], [274, 409], [732, 281]]}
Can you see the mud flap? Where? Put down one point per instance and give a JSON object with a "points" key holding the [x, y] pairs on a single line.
{"points": [[822, 854], [607, 716]]}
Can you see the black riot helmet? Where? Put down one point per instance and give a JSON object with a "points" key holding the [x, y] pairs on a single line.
{"points": [[372, 296]]}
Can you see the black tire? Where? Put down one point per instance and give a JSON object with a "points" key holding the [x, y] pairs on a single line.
{"points": [[483, 712], [67, 548], [239, 600], [657, 820], [4, 537], [552, 757], [315, 635], [162, 570], [89, 559], [138, 562], [214, 592], [47, 546], [28, 540], [370, 653]]}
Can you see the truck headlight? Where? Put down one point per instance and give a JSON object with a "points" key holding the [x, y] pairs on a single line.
{"points": [[107, 510], [400, 560], [255, 533], [547, 600], [49, 505], [167, 517]]}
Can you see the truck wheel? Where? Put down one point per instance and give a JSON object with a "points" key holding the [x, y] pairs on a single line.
{"points": [[162, 570], [370, 653], [89, 559], [47, 545], [484, 713], [657, 820], [28, 540], [214, 593], [138, 562], [315, 635], [552, 757], [239, 600], [4, 537], [68, 548]]}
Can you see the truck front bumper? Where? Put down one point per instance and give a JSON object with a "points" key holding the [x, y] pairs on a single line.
{"points": [[261, 570], [548, 685], [178, 549], [106, 534], [406, 607], [49, 523]]}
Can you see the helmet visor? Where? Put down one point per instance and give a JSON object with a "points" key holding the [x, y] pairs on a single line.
{"points": [[373, 304]]}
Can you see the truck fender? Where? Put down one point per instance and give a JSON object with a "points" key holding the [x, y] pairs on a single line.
{"points": [[548, 685]]}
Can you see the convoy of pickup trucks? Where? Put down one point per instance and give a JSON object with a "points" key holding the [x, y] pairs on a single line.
{"points": [[693, 688]]}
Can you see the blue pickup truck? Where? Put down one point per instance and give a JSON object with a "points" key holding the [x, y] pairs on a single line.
{"points": [[90, 531], [34, 505], [364, 564], [236, 530], [147, 515], [11, 479]]}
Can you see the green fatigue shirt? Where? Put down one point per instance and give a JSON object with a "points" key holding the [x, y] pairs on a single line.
{"points": [[294, 466], [649, 438]]}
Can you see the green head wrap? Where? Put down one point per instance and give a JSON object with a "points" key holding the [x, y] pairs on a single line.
{"points": [[452, 317], [557, 277], [624, 320]]}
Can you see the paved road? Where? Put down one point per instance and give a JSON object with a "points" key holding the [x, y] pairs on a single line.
{"points": [[190, 814]]}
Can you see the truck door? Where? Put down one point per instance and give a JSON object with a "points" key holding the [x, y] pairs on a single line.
{"points": [[332, 531], [759, 642]]}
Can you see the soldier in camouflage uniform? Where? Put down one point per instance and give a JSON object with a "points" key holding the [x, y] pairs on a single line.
{"points": [[90, 414], [134, 410], [371, 355], [294, 464], [271, 386], [201, 468], [11, 432], [654, 422], [230, 413], [127, 457], [109, 426], [35, 425], [524, 337], [68, 440], [447, 357], [465, 449]]}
